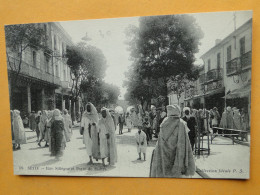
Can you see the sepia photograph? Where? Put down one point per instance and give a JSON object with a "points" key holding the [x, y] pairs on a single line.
{"points": [[165, 96]]}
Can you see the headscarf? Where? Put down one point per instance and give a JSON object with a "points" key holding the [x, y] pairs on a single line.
{"points": [[16, 113], [93, 114], [57, 115], [39, 113], [173, 110], [108, 121]]}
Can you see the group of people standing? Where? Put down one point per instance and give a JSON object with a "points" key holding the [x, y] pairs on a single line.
{"points": [[98, 132], [53, 127]]}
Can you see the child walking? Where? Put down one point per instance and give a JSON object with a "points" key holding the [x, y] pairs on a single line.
{"points": [[141, 142]]}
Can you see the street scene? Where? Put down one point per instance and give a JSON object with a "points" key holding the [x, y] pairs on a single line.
{"points": [[156, 96]]}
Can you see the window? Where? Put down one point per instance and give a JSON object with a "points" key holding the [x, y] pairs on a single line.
{"points": [[209, 65], [218, 60], [228, 53], [57, 70], [242, 46], [64, 75], [47, 63], [34, 58], [55, 42]]}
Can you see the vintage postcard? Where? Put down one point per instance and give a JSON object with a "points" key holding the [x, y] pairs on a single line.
{"points": [[157, 96]]}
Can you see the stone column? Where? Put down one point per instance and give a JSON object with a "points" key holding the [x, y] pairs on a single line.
{"points": [[43, 99], [54, 99], [29, 98], [62, 102]]}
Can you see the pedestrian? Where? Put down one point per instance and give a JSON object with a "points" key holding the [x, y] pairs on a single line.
{"points": [[147, 129], [18, 128], [227, 120], [129, 122], [110, 127], [48, 128], [216, 118], [172, 156], [112, 113], [42, 127], [67, 125], [191, 124], [152, 118], [88, 130], [32, 121], [37, 119], [121, 122], [25, 122], [103, 136], [58, 142], [245, 123], [141, 141]]}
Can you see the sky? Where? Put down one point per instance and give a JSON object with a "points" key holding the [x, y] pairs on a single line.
{"points": [[109, 36]]}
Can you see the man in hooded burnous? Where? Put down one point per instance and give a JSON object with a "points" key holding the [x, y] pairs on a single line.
{"points": [[172, 156], [89, 131], [107, 122]]}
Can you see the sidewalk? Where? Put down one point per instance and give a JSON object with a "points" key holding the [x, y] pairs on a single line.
{"points": [[225, 160]]}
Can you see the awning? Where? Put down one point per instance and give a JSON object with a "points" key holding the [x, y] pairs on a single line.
{"points": [[240, 93]]}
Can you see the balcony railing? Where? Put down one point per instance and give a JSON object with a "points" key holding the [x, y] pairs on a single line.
{"points": [[236, 65], [246, 60], [202, 78], [214, 74], [32, 71]]}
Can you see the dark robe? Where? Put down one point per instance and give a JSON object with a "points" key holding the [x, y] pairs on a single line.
{"points": [[57, 137], [191, 123]]}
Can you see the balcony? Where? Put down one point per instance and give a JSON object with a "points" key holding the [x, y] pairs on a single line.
{"points": [[246, 60], [202, 78], [214, 75], [32, 71], [236, 65], [66, 84]]}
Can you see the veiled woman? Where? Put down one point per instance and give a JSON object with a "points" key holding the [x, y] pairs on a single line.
{"points": [[18, 128], [57, 134], [42, 127], [108, 122], [67, 124], [89, 131], [172, 156], [48, 128]]}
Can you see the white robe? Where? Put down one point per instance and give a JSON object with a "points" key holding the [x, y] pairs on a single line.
{"points": [[103, 140], [139, 139], [86, 138]]}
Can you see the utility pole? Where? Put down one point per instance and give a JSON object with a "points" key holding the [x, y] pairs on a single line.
{"points": [[235, 26]]}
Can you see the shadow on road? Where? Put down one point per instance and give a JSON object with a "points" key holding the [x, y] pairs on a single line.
{"points": [[48, 162], [82, 148], [138, 161], [36, 148]]}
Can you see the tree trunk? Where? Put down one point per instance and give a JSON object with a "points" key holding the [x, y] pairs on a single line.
{"points": [[73, 109]]}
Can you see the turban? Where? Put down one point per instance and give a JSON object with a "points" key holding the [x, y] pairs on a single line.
{"points": [[173, 110]]}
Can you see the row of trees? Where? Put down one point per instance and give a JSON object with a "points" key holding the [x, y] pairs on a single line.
{"points": [[161, 48], [87, 64]]}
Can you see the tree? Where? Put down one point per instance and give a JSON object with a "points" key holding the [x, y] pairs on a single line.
{"points": [[18, 39], [162, 46], [88, 65]]}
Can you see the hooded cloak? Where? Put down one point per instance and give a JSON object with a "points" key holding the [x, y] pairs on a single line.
{"points": [[173, 154], [109, 125]]}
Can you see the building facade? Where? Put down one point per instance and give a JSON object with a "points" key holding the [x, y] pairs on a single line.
{"points": [[44, 80], [225, 76]]}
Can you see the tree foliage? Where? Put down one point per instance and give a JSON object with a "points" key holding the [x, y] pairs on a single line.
{"points": [[18, 38], [161, 47]]}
